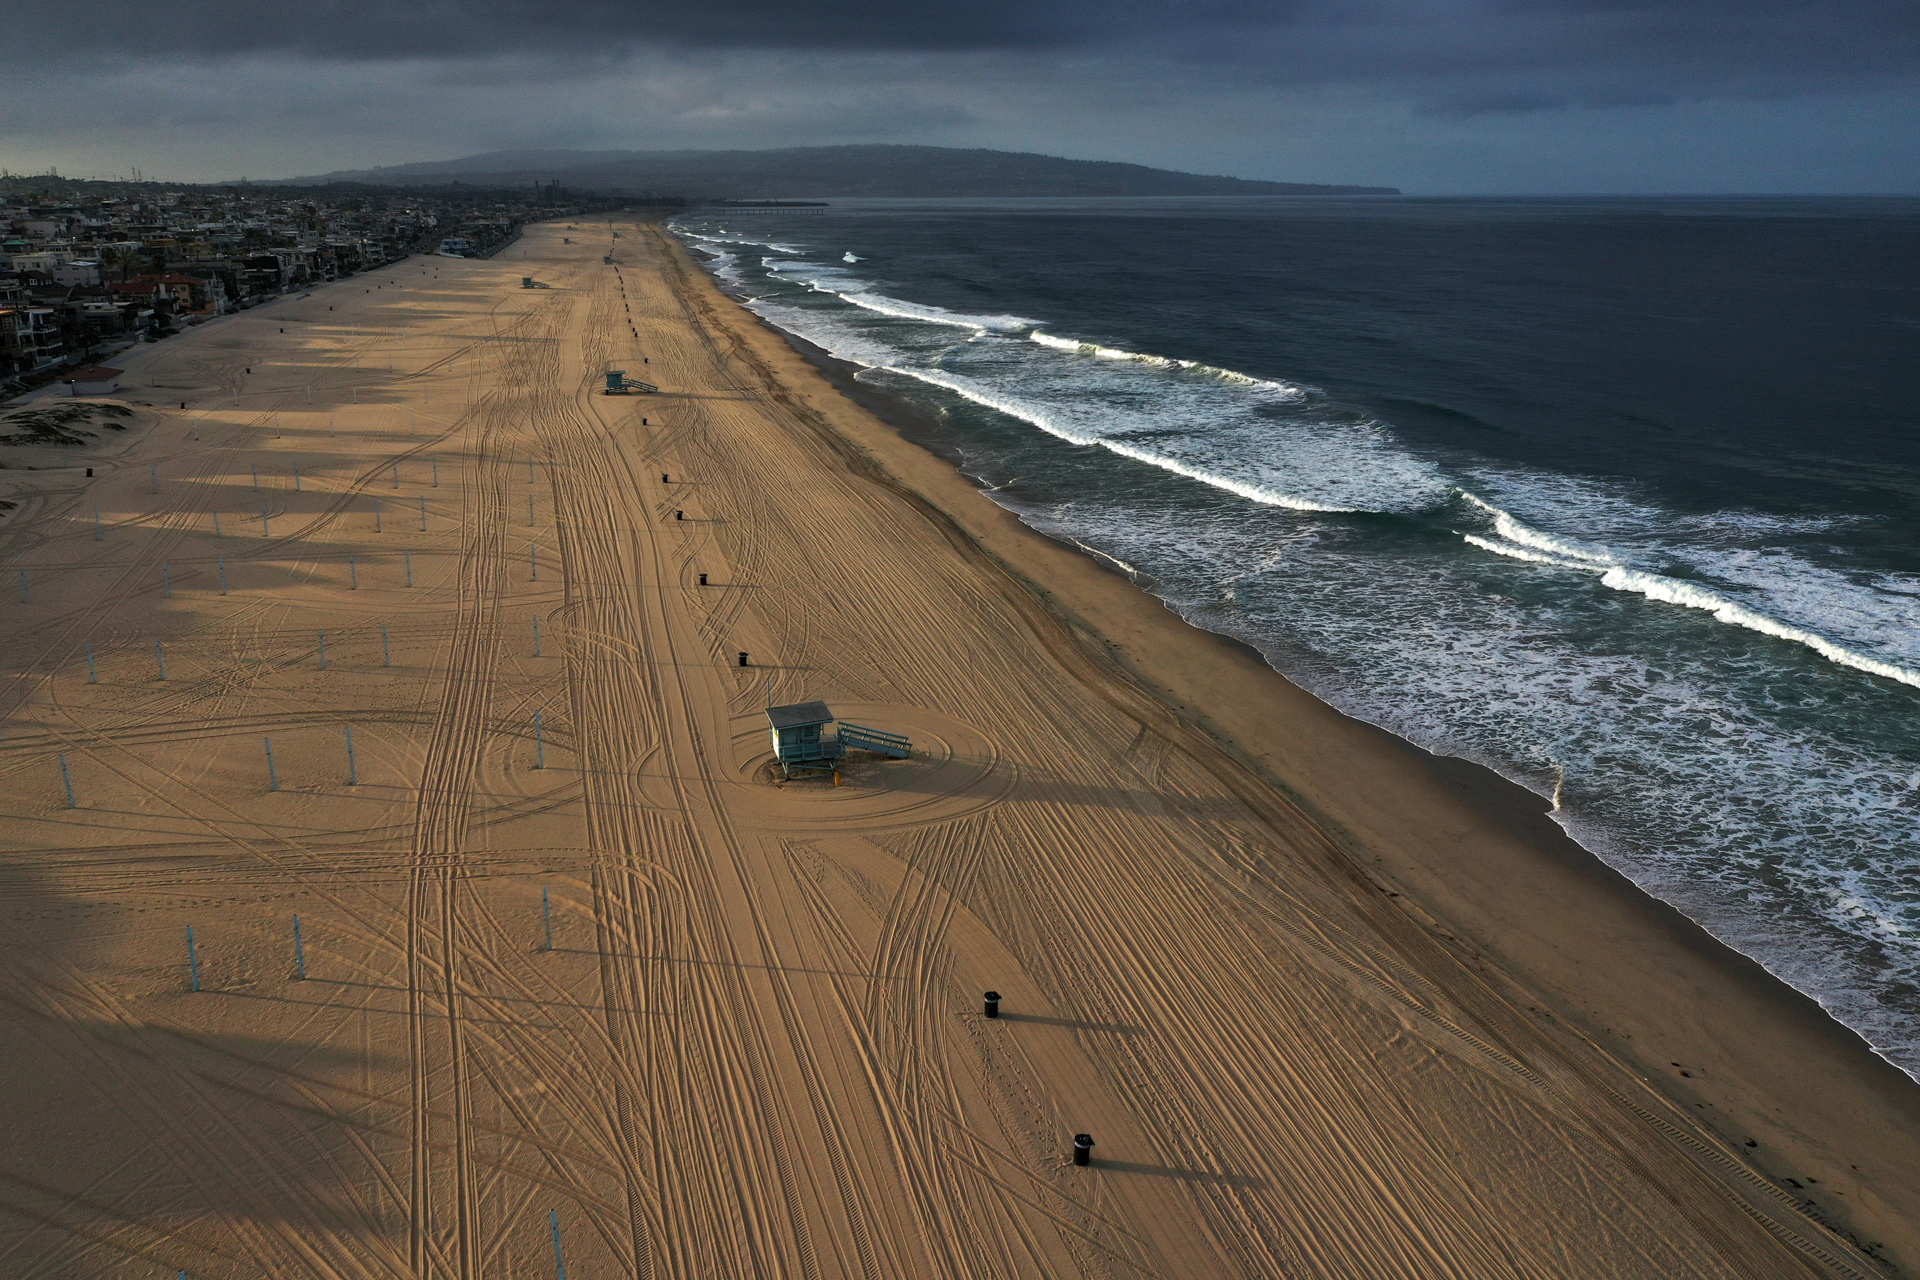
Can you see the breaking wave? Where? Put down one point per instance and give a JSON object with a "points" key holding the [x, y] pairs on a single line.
{"points": [[929, 314], [1656, 586], [1565, 550], [1369, 465], [1099, 352], [1052, 426], [1520, 541], [1519, 553]]}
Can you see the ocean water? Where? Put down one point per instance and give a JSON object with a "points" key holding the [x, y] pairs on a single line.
{"points": [[1618, 497]]}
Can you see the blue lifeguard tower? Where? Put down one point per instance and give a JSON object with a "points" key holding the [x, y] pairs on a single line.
{"points": [[801, 747]]}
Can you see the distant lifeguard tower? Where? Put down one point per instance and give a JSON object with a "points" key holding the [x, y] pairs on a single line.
{"points": [[802, 748], [619, 384]]}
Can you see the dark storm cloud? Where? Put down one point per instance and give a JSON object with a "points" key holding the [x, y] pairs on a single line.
{"points": [[1475, 94], [358, 29], [1311, 39]]}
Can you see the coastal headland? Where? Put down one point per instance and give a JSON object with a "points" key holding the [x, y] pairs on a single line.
{"points": [[380, 616]]}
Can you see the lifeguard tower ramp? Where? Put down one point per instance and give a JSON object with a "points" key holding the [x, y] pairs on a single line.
{"points": [[802, 746], [877, 741]]}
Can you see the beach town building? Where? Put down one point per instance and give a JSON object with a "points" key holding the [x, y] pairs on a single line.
{"points": [[186, 294], [77, 271], [89, 268], [30, 338], [94, 380]]}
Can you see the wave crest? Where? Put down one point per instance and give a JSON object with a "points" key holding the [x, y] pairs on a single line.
{"points": [[1027, 413], [1098, 352], [1656, 586], [1513, 552], [928, 313], [1515, 531]]}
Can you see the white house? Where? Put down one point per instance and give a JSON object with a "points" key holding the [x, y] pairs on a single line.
{"points": [[42, 260], [79, 271]]}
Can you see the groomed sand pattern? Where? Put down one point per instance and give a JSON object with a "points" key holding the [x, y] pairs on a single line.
{"points": [[756, 1048]]}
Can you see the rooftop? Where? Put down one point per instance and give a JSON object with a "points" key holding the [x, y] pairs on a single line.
{"points": [[799, 714]]}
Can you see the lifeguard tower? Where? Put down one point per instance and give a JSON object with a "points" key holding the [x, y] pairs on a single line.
{"points": [[801, 747], [619, 384]]}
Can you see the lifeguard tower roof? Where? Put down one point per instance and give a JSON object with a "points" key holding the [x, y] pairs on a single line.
{"points": [[798, 715]]}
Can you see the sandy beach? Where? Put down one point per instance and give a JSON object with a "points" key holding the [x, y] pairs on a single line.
{"points": [[581, 968]]}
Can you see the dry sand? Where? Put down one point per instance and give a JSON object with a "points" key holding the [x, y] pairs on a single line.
{"points": [[1329, 1007]]}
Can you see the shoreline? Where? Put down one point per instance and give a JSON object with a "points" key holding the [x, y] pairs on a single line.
{"points": [[1501, 797], [1328, 1007], [1639, 979]]}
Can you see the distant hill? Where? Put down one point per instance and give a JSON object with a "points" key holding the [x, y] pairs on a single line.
{"points": [[805, 172]]}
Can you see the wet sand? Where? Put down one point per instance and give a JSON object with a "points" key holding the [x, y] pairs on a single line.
{"points": [[1329, 1007]]}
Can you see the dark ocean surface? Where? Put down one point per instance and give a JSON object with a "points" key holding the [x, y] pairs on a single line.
{"points": [[1620, 497]]}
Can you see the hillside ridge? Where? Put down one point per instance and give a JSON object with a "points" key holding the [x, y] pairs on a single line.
{"points": [[873, 170]]}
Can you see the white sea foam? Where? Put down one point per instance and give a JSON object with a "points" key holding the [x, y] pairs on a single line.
{"points": [[1673, 591], [1514, 552], [1514, 530], [1113, 560], [811, 274], [854, 343], [724, 238], [844, 284], [1052, 426], [904, 310], [1242, 449], [726, 267], [1377, 471], [1794, 590], [1096, 351], [1905, 584], [1861, 612]]}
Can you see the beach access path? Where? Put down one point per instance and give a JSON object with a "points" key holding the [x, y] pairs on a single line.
{"points": [[580, 973]]}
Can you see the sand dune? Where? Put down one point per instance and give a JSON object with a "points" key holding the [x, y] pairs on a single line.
{"points": [[756, 1046]]}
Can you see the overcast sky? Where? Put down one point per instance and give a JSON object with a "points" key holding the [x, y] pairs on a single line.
{"points": [[1441, 96]]}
